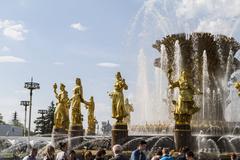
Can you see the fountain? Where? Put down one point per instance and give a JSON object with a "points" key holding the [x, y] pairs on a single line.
{"points": [[209, 60], [210, 72]]}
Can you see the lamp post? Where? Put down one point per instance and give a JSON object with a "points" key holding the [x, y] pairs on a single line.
{"points": [[31, 86], [42, 112], [25, 104]]}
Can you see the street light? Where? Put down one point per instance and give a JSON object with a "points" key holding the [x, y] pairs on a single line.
{"points": [[42, 112], [25, 104], [31, 86]]}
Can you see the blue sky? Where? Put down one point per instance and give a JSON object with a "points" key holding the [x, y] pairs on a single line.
{"points": [[57, 41], [53, 51]]}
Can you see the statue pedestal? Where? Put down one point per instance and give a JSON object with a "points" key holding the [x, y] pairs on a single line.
{"points": [[75, 134], [58, 134], [182, 136], [90, 133], [119, 134]]}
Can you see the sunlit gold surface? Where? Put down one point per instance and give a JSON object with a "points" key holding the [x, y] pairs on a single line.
{"points": [[118, 109], [128, 109], [185, 106], [91, 117], [61, 114], [237, 86], [76, 100]]}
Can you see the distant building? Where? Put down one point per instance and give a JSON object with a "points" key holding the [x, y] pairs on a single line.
{"points": [[9, 130], [106, 128]]}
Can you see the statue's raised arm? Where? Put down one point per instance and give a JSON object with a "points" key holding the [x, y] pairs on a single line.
{"points": [[55, 90], [61, 116]]}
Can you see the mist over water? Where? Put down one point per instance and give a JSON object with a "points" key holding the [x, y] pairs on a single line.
{"points": [[154, 20]]}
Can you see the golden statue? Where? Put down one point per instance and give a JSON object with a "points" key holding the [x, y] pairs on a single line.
{"points": [[61, 114], [237, 86], [128, 109], [76, 100], [91, 118], [185, 106], [118, 109]]}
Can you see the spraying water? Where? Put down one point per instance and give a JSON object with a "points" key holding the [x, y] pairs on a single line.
{"points": [[142, 95], [229, 67], [205, 84], [178, 60]]}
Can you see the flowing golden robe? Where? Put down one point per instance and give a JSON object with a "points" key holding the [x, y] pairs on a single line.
{"points": [[185, 103], [91, 117], [61, 114], [128, 109], [76, 100], [118, 108]]}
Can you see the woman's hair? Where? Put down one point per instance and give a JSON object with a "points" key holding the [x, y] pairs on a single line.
{"points": [[101, 152], [233, 155], [72, 152], [87, 154], [50, 148], [171, 152], [190, 154], [159, 151], [62, 145], [184, 150]]}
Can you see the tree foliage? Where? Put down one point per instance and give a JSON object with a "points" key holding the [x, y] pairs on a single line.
{"points": [[15, 120], [44, 123], [1, 119]]}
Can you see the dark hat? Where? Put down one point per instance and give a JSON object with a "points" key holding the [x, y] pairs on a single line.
{"points": [[142, 142]]}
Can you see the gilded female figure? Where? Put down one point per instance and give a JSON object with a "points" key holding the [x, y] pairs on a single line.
{"points": [[185, 104], [76, 100], [128, 109], [91, 117], [61, 114], [118, 109]]}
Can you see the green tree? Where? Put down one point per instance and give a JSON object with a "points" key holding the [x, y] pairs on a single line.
{"points": [[39, 126], [44, 123], [40, 122], [15, 120], [1, 119], [50, 118]]}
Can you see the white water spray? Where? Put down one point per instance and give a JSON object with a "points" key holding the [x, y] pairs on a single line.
{"points": [[205, 83], [142, 94]]}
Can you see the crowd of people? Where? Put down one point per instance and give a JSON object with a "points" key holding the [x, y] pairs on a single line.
{"points": [[161, 153], [117, 154]]}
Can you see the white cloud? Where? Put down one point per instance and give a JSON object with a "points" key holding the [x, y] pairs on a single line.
{"points": [[190, 8], [13, 30], [216, 8], [108, 65], [5, 49], [215, 16], [58, 63], [78, 26], [214, 26], [11, 59]]}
